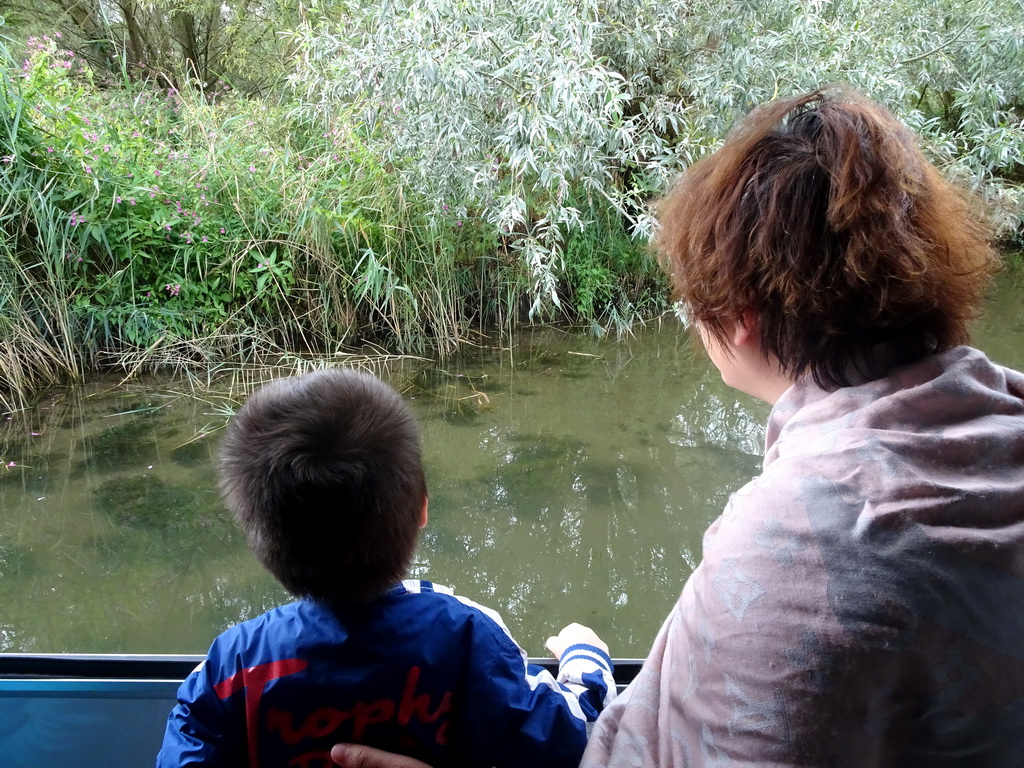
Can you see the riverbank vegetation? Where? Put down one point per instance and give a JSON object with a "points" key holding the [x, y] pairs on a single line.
{"points": [[180, 188]]}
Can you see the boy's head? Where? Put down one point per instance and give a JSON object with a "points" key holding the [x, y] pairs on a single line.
{"points": [[324, 474]]}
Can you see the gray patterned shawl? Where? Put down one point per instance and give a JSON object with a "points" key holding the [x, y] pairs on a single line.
{"points": [[861, 602]]}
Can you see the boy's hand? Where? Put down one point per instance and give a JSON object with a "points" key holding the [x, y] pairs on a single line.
{"points": [[574, 634]]}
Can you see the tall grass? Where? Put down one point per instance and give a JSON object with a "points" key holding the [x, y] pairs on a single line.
{"points": [[148, 229], [37, 340], [433, 170]]}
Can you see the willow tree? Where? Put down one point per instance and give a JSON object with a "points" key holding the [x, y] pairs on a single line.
{"points": [[532, 117], [202, 43]]}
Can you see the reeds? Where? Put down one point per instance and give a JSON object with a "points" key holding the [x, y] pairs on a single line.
{"points": [[37, 335]]}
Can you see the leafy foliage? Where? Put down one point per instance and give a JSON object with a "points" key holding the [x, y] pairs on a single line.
{"points": [[429, 168], [535, 118], [173, 43], [506, 114], [951, 69], [164, 228]]}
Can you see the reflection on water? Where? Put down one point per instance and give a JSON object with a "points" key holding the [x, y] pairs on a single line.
{"points": [[568, 492], [570, 479]]}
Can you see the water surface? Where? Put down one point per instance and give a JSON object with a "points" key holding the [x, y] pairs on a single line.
{"points": [[571, 479]]}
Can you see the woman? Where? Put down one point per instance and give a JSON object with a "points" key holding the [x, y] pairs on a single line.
{"points": [[860, 602]]}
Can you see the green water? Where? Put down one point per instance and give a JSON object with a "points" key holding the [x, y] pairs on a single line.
{"points": [[571, 479]]}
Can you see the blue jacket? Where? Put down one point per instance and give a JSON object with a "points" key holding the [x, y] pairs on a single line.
{"points": [[419, 670]]}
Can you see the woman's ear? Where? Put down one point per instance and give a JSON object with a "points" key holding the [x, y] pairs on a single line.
{"points": [[423, 514], [745, 327]]}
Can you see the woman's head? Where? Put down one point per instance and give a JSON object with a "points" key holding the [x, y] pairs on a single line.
{"points": [[821, 218]]}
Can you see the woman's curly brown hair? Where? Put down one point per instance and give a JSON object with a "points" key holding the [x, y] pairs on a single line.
{"points": [[822, 215]]}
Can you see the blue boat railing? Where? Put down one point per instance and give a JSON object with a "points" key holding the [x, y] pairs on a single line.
{"points": [[106, 710]]}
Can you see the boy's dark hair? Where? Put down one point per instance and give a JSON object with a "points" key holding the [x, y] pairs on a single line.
{"points": [[324, 474], [822, 215]]}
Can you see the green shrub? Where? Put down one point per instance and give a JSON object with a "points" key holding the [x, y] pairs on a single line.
{"points": [[540, 119], [435, 167]]}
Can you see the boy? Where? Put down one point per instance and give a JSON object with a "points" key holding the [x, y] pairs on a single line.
{"points": [[323, 472]]}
